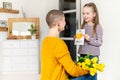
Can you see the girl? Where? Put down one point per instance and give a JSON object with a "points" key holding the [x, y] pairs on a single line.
{"points": [[93, 34]]}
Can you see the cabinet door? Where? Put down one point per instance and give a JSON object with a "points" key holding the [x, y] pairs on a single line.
{"points": [[10, 44], [29, 44], [71, 9]]}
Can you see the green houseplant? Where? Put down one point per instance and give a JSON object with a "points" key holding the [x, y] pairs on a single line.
{"points": [[32, 30]]}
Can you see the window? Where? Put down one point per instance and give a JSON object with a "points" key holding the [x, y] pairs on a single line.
{"points": [[71, 9]]}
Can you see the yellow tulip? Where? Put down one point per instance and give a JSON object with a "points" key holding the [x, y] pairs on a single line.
{"points": [[93, 71], [87, 61], [95, 65], [79, 64], [101, 67], [84, 66], [94, 59]]}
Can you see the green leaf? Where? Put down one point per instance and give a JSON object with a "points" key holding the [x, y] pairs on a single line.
{"points": [[32, 26], [80, 59], [32, 29], [87, 56]]}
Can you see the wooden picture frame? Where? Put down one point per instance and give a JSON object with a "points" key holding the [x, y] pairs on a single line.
{"points": [[23, 22], [7, 5]]}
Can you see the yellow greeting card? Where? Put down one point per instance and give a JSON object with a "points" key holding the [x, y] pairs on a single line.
{"points": [[79, 40]]}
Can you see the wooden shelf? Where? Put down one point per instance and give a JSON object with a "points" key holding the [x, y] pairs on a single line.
{"points": [[9, 11], [3, 29]]}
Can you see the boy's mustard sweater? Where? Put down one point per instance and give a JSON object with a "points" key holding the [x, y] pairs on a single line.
{"points": [[56, 60]]}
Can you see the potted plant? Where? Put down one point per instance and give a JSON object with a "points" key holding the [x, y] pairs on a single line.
{"points": [[33, 30]]}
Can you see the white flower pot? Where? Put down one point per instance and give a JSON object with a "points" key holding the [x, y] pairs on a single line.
{"points": [[33, 36]]}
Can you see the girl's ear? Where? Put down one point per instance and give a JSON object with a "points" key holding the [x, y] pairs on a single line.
{"points": [[94, 14]]}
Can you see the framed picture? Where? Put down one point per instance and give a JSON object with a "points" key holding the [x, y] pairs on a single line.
{"points": [[7, 5], [3, 23]]}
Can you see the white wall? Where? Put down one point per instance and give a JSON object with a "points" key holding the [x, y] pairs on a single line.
{"points": [[109, 14], [15, 5], [32, 8], [40, 8], [5, 16]]}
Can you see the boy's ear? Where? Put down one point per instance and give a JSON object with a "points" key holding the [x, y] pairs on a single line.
{"points": [[58, 23]]}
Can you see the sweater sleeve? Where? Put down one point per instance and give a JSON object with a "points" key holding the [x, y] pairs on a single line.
{"points": [[64, 58], [97, 39]]}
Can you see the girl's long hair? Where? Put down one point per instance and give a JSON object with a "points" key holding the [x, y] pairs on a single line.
{"points": [[96, 18]]}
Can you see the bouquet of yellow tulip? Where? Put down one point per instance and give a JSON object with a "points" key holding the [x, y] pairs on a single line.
{"points": [[90, 64]]}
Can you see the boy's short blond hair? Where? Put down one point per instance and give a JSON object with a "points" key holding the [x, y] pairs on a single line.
{"points": [[53, 16]]}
